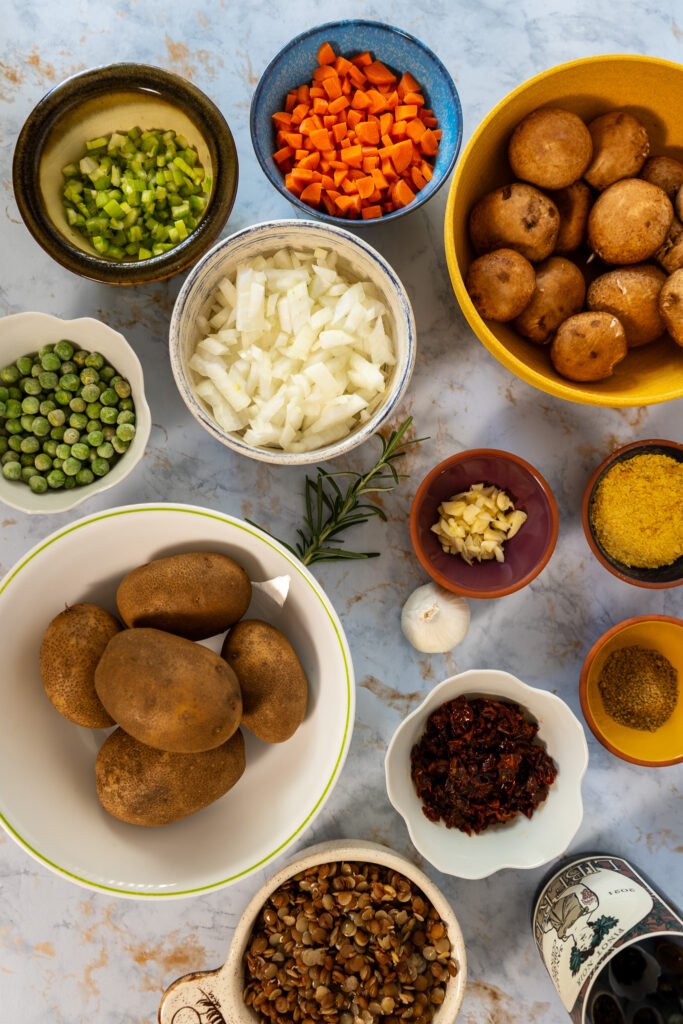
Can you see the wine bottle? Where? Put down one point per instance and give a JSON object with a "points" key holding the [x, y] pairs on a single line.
{"points": [[611, 942]]}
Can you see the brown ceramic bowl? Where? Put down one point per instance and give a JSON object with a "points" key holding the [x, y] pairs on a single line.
{"points": [[654, 579], [97, 102], [525, 555], [652, 749]]}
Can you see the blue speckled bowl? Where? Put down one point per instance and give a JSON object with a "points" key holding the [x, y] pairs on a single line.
{"points": [[295, 65]]}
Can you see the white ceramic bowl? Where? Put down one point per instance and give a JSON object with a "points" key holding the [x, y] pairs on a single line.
{"points": [[188, 998], [24, 333], [264, 239], [522, 842], [47, 765]]}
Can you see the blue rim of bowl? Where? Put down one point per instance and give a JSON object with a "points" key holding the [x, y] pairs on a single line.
{"points": [[278, 182], [275, 455]]}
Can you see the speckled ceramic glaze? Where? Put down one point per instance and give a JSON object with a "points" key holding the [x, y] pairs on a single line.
{"points": [[357, 256], [190, 998], [526, 554], [294, 65], [655, 579], [97, 102]]}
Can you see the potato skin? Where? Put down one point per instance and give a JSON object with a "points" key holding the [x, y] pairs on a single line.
{"points": [[195, 595], [588, 346], [550, 148], [273, 683], [573, 204], [671, 305], [629, 221], [559, 292], [142, 786], [621, 146], [665, 172], [167, 692], [631, 294], [71, 647], [670, 253], [518, 217], [500, 284]]}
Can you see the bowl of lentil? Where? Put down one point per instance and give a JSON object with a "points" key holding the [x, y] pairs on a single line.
{"points": [[630, 690], [104, 429], [633, 513], [348, 931]]}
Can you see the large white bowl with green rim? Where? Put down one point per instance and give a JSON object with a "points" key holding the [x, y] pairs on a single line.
{"points": [[48, 802]]}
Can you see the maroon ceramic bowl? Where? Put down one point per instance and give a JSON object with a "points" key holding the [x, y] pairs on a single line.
{"points": [[525, 555]]}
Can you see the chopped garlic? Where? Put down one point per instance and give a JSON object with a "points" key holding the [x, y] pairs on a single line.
{"points": [[476, 523]]}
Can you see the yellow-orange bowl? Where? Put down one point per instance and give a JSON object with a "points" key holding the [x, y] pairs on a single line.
{"points": [[660, 633], [652, 90]]}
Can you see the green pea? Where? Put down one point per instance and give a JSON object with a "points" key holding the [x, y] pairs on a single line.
{"points": [[30, 445], [78, 420], [55, 479], [36, 371], [106, 450], [69, 382], [64, 349], [80, 357], [40, 426], [125, 417], [3, 411], [100, 467], [77, 404], [43, 462], [14, 393], [44, 350], [109, 397], [13, 427], [93, 410], [84, 476], [46, 407], [95, 438], [122, 388], [9, 375], [50, 362], [58, 463], [72, 435], [69, 367], [26, 460], [126, 405], [95, 360], [48, 381], [30, 405], [27, 472], [62, 397], [50, 448], [12, 409], [26, 422], [30, 386], [57, 433], [89, 375], [38, 484], [109, 433], [12, 471], [92, 425], [7, 457], [126, 431], [109, 415], [107, 373], [80, 451], [14, 442], [56, 417], [24, 365], [90, 393], [63, 451], [119, 446], [4, 445], [71, 466], [69, 483], [4, 393]]}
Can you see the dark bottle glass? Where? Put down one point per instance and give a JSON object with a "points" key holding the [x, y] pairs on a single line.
{"points": [[610, 941]]}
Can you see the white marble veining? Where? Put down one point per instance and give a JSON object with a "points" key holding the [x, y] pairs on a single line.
{"points": [[69, 956]]}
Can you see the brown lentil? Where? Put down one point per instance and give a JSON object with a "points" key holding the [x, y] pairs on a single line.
{"points": [[381, 953], [639, 688]]}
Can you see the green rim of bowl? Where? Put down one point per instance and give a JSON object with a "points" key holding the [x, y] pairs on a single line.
{"points": [[343, 750]]}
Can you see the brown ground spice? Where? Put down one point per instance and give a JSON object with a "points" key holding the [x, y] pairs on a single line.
{"points": [[639, 688], [637, 511]]}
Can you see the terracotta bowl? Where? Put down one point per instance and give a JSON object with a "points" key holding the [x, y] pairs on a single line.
{"points": [[652, 749], [654, 579], [525, 555]]}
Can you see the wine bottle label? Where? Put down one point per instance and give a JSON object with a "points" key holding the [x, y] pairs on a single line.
{"points": [[588, 911]]}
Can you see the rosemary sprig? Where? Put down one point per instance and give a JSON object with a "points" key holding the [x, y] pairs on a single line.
{"points": [[331, 509]]}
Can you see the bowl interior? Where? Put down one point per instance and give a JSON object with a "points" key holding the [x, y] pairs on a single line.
{"points": [[667, 574], [652, 90], [294, 65], [48, 794], [356, 257], [24, 333], [666, 744], [522, 554], [522, 842]]}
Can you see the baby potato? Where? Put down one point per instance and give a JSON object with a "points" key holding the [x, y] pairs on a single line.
{"points": [[629, 221], [559, 293], [670, 254], [671, 305], [143, 786], [500, 284], [550, 148], [631, 294], [665, 172], [517, 217], [621, 146], [588, 346], [573, 203]]}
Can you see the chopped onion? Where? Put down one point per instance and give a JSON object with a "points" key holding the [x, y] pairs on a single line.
{"points": [[293, 353]]}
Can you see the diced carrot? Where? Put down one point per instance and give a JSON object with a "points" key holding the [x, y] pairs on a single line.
{"points": [[349, 185], [324, 165], [388, 170], [362, 60], [374, 196], [346, 87], [292, 185], [340, 131], [321, 73], [426, 169], [399, 129], [429, 144], [392, 101], [353, 118], [370, 151], [379, 74], [312, 193], [290, 103], [345, 143], [317, 92], [302, 174], [300, 154], [282, 119], [303, 94], [370, 163], [385, 123], [355, 207], [379, 179], [360, 101], [336, 106], [299, 112], [283, 154], [415, 129], [320, 107], [437, 133], [329, 205], [321, 139], [387, 141], [356, 77], [327, 154], [332, 87], [339, 165], [365, 186], [405, 112], [402, 155], [419, 180], [342, 66], [339, 176], [343, 203], [403, 193], [352, 156], [311, 161], [407, 84], [326, 181], [378, 102], [326, 54], [293, 139], [414, 97], [329, 120], [367, 132], [370, 212], [355, 173]]}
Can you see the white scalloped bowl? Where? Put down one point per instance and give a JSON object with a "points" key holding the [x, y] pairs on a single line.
{"points": [[520, 843], [23, 333]]}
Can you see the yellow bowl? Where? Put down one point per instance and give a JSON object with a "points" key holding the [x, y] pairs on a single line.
{"points": [[652, 749], [650, 88]]}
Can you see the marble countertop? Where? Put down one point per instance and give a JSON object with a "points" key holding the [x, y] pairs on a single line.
{"points": [[68, 955]]}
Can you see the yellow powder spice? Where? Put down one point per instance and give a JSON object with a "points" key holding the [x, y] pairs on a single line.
{"points": [[637, 511]]}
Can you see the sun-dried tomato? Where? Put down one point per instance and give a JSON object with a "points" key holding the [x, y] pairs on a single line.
{"points": [[479, 763]]}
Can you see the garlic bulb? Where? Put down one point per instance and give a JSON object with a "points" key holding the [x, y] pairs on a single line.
{"points": [[433, 620]]}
